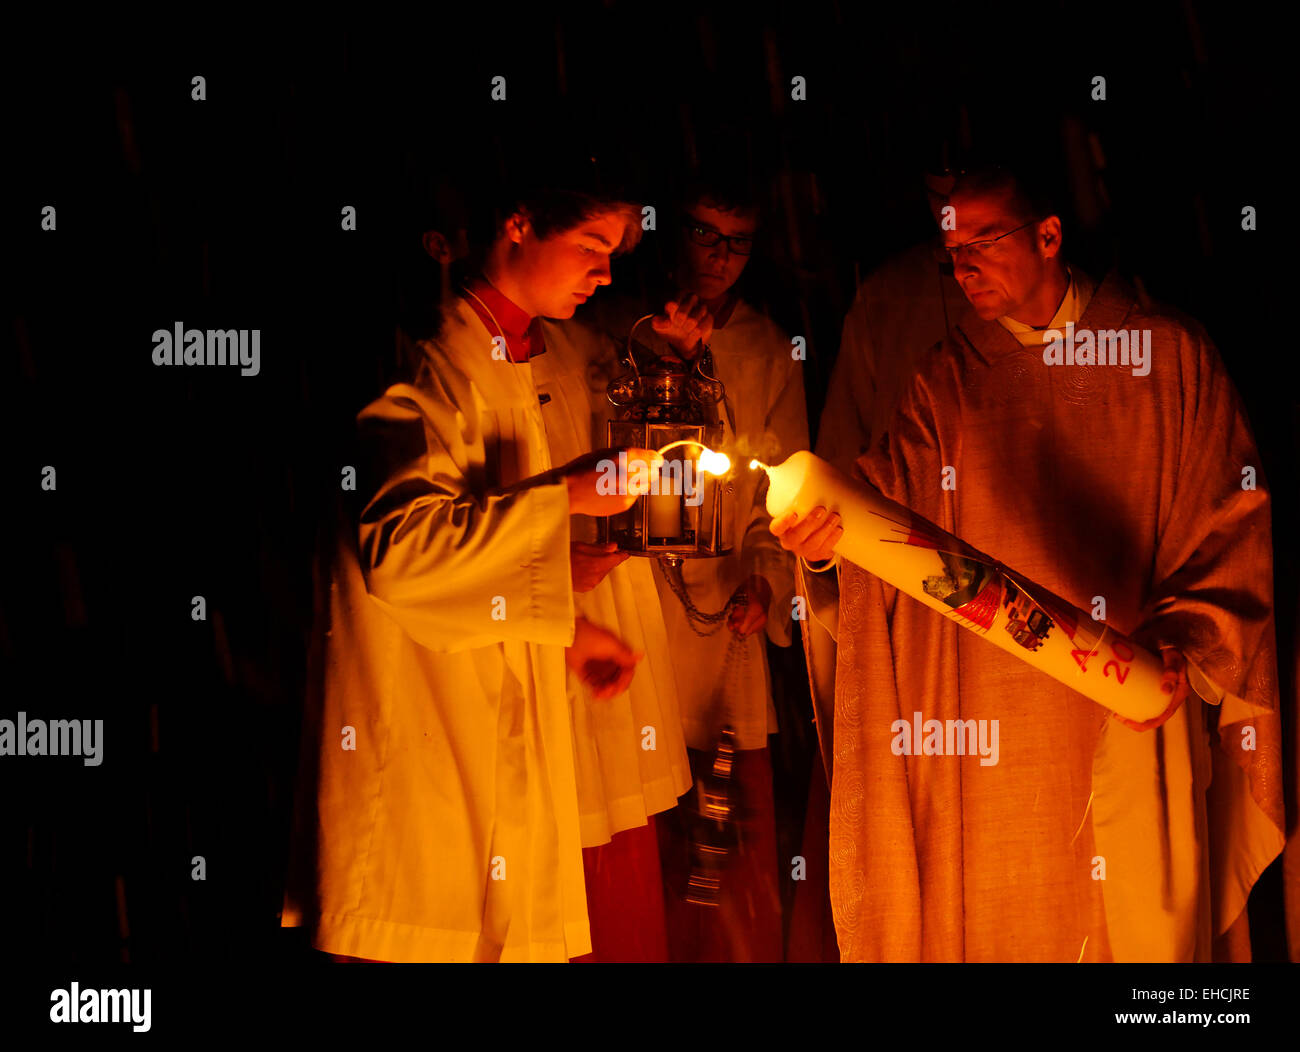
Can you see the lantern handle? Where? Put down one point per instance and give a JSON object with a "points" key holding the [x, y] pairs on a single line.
{"points": [[707, 352], [631, 358], [716, 386]]}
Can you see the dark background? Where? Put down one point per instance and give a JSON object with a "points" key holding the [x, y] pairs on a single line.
{"points": [[180, 482]]}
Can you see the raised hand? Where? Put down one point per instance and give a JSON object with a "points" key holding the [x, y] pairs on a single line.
{"points": [[685, 324]]}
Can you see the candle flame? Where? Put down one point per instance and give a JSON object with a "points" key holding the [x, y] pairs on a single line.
{"points": [[715, 463], [757, 464], [710, 461]]}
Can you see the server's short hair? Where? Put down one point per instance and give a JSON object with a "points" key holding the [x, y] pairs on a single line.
{"points": [[556, 211], [1028, 196], [723, 189]]}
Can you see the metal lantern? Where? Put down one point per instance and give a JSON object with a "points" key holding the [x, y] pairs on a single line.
{"points": [[670, 406]]}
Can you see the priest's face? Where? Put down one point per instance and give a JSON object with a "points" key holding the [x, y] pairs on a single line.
{"points": [[1009, 276], [558, 273], [709, 270]]}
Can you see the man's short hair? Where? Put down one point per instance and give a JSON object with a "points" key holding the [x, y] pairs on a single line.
{"points": [[569, 176], [554, 211], [727, 191], [1026, 194]]}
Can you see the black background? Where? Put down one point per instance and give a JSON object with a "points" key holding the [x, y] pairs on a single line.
{"points": [[226, 213]]}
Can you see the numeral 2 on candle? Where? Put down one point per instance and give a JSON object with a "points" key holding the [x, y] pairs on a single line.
{"points": [[1119, 648]]}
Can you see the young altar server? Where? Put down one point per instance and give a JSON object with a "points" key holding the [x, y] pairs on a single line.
{"points": [[764, 415], [442, 819]]}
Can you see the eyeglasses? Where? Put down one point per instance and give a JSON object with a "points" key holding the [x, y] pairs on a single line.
{"points": [[980, 249], [707, 237]]}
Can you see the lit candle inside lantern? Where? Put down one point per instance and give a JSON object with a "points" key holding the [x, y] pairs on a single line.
{"points": [[946, 574], [715, 463], [666, 505], [665, 508], [710, 461]]}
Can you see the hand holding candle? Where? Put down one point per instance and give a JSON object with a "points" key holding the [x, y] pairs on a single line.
{"points": [[965, 585], [811, 537]]}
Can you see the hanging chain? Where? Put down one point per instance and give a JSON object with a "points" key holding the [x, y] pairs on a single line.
{"points": [[735, 650], [695, 617], [672, 573]]}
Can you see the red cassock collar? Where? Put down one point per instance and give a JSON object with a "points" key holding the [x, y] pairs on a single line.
{"points": [[523, 333]]}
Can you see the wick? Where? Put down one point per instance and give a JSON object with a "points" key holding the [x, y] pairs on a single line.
{"points": [[682, 442]]}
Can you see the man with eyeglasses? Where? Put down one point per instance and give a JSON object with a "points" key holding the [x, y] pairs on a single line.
{"points": [[1134, 496], [764, 416]]}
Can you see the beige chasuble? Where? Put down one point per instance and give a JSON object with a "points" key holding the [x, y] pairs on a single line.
{"points": [[1086, 841]]}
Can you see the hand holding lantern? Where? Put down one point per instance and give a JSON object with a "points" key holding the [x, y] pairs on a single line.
{"points": [[749, 605], [589, 563], [587, 478]]}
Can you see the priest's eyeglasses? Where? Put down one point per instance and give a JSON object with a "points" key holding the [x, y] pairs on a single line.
{"points": [[982, 248], [707, 237]]}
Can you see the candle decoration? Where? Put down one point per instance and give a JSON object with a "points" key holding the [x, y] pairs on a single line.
{"points": [[967, 586]]}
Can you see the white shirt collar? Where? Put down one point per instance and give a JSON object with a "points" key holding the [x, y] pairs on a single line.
{"points": [[1077, 296]]}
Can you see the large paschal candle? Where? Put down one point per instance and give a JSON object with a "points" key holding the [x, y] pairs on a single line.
{"points": [[979, 593]]}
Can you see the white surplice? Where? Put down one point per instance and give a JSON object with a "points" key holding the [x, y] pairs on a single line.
{"points": [[451, 831], [630, 756]]}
